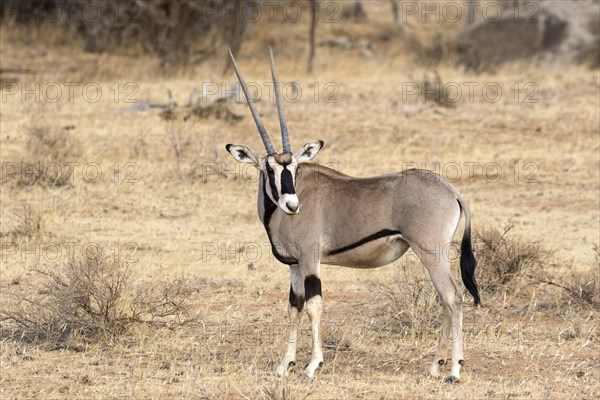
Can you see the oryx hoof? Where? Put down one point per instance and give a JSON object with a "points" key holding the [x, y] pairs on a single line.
{"points": [[310, 369], [309, 374], [452, 379], [434, 369], [282, 369]]}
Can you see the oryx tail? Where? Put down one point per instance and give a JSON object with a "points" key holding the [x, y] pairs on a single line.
{"points": [[468, 263]]}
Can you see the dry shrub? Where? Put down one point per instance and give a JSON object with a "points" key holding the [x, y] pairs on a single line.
{"points": [[50, 143], [408, 304], [583, 288], [180, 141], [185, 150], [28, 224], [434, 90], [50, 150], [578, 289], [505, 263], [508, 265], [92, 299]]}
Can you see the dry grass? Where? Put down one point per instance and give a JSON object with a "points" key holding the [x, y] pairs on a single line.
{"points": [[531, 339], [408, 304]]}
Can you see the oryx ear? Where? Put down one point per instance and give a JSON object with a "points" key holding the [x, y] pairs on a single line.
{"points": [[309, 151], [242, 154]]}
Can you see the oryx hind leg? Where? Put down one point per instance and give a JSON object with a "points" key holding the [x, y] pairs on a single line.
{"points": [[295, 308], [438, 266], [441, 351]]}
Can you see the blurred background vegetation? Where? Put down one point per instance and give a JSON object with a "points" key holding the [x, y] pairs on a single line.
{"points": [[477, 34]]}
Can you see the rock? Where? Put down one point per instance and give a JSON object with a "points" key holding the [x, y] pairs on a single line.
{"points": [[559, 30]]}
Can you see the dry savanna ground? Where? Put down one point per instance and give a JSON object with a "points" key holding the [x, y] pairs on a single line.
{"points": [[142, 271]]}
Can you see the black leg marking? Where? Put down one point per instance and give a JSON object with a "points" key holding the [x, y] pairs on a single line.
{"points": [[291, 364], [442, 362], [461, 362], [321, 364], [312, 287], [296, 301]]}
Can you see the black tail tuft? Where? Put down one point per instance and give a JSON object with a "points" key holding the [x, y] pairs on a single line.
{"points": [[468, 263]]}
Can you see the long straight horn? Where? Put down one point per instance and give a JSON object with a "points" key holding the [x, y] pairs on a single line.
{"points": [[285, 139], [261, 128]]}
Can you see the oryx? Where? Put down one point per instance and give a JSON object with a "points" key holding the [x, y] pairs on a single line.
{"points": [[313, 215]]}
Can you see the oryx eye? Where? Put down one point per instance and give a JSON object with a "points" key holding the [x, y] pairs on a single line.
{"points": [[269, 169]]}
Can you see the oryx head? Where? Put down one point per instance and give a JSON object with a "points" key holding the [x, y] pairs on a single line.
{"points": [[278, 170]]}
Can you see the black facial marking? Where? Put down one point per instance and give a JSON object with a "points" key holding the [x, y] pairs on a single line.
{"points": [[370, 238], [312, 287], [296, 301], [287, 182], [270, 208], [272, 185]]}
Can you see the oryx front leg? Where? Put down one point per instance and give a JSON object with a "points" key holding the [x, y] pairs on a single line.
{"points": [[312, 288], [295, 308]]}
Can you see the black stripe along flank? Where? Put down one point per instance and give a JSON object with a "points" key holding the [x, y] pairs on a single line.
{"points": [[370, 238]]}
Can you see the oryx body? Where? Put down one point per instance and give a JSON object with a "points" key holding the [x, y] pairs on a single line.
{"points": [[314, 214]]}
